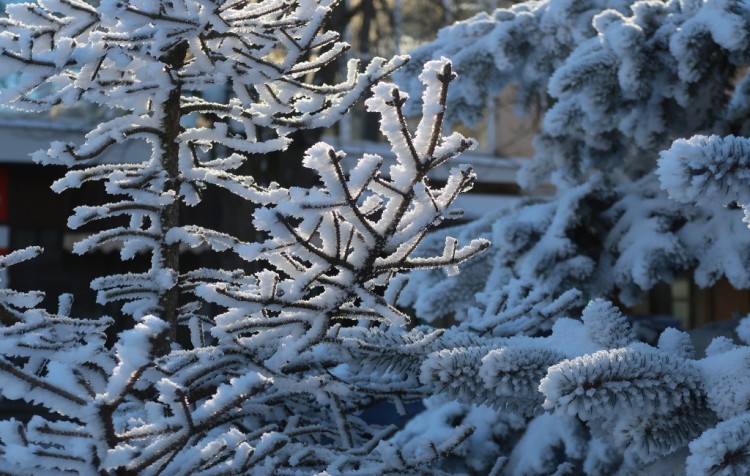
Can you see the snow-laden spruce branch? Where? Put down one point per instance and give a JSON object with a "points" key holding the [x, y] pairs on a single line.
{"points": [[638, 403], [711, 170]]}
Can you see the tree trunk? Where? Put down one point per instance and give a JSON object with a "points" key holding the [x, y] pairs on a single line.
{"points": [[170, 214]]}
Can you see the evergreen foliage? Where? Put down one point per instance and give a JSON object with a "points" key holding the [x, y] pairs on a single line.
{"points": [[616, 83]]}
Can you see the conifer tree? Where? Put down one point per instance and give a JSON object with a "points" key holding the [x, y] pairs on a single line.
{"points": [[616, 82]]}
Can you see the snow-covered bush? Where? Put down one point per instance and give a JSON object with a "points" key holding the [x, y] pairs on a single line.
{"points": [[266, 386]]}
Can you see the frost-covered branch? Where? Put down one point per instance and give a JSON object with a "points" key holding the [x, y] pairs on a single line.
{"points": [[337, 247]]}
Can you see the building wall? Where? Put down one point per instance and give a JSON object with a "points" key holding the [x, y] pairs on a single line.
{"points": [[694, 307]]}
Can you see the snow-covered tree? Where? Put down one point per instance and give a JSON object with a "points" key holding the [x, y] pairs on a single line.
{"points": [[266, 386], [616, 82]]}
